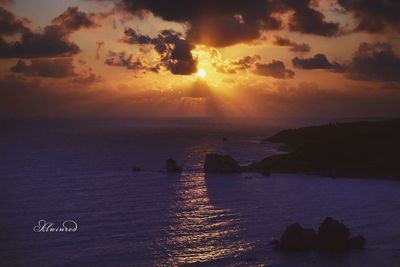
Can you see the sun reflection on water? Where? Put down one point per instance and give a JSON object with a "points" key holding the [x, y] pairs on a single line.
{"points": [[200, 231]]}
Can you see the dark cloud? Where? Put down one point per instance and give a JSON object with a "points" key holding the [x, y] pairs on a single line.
{"points": [[52, 41], [73, 19], [374, 15], [123, 59], [246, 62], [175, 51], [293, 46], [132, 37], [54, 68], [10, 24], [130, 62], [226, 22], [374, 62], [319, 61], [222, 31], [275, 69], [311, 21]]}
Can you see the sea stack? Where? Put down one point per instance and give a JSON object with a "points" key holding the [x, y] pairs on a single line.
{"points": [[221, 164], [172, 167], [332, 236]]}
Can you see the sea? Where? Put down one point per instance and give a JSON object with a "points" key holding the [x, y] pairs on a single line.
{"points": [[78, 173]]}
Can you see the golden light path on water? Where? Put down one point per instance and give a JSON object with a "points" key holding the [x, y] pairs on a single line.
{"points": [[200, 231]]}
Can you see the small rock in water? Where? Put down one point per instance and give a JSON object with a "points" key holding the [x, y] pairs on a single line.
{"points": [[172, 166], [136, 169]]}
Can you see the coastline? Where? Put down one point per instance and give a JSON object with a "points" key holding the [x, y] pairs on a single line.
{"points": [[356, 150]]}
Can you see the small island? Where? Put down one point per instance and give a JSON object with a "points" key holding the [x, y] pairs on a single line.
{"points": [[357, 149]]}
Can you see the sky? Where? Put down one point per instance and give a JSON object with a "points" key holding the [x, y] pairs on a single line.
{"points": [[272, 59]]}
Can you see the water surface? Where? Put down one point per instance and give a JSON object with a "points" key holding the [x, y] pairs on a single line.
{"points": [[68, 170]]}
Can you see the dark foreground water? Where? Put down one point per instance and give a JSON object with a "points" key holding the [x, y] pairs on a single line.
{"points": [[80, 171]]}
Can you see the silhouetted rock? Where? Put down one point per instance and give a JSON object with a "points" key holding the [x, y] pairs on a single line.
{"points": [[136, 169], [295, 237], [357, 242], [172, 166], [332, 236], [221, 164]]}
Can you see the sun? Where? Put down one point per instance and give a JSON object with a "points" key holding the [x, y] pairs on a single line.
{"points": [[201, 73]]}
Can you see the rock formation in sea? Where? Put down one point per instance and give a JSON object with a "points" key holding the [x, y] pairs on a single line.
{"points": [[172, 167], [332, 236], [216, 163]]}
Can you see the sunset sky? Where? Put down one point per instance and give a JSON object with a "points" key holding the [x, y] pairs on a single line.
{"points": [[275, 59]]}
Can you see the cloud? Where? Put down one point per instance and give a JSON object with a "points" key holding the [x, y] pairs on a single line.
{"points": [[224, 23], [275, 69], [293, 46], [374, 62], [311, 21], [54, 68], [246, 62], [52, 41], [319, 61], [222, 31], [132, 37], [10, 24], [129, 61], [73, 19], [173, 48], [374, 15]]}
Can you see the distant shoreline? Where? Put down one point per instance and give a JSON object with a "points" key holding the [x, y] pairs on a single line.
{"points": [[354, 150]]}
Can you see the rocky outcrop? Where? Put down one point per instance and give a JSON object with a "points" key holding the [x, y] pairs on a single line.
{"points": [[295, 237], [172, 167], [332, 236], [220, 164]]}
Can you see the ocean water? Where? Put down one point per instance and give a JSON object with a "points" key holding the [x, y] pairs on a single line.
{"points": [[58, 170]]}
